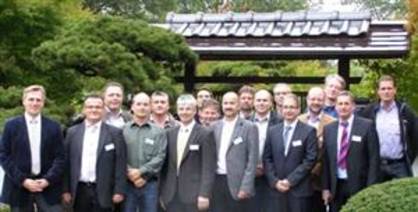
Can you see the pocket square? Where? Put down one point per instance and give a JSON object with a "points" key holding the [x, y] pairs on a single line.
{"points": [[109, 147]]}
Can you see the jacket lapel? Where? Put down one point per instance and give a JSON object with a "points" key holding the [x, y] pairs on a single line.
{"points": [[218, 134], [295, 136], [236, 133], [191, 139], [173, 139], [334, 142], [102, 139]]}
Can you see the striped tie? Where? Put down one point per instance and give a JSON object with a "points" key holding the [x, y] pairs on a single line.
{"points": [[342, 156]]}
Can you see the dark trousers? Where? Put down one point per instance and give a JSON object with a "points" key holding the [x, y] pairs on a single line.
{"points": [[263, 200], [86, 199], [341, 196], [39, 204], [223, 200], [318, 202], [286, 202], [394, 169], [176, 205]]}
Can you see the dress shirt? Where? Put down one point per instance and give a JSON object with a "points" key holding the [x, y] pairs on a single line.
{"points": [[33, 125], [226, 136], [182, 138], [330, 110], [262, 124], [314, 120], [169, 122], [389, 132], [89, 151], [290, 134], [115, 120], [342, 173]]}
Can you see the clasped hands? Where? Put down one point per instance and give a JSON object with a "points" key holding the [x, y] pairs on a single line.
{"points": [[135, 176], [283, 185], [37, 185]]}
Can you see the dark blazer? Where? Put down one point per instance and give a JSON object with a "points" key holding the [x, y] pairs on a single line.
{"points": [[297, 164], [363, 156], [15, 158], [408, 126], [110, 165], [197, 169]]}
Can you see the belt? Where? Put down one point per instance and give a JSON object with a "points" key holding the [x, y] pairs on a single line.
{"points": [[391, 161], [87, 184]]}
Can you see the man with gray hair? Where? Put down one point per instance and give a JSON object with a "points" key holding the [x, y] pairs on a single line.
{"points": [[188, 173], [334, 84]]}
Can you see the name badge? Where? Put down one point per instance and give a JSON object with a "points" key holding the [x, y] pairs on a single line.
{"points": [[297, 143], [356, 138], [109, 147], [237, 141], [149, 141], [194, 147]]}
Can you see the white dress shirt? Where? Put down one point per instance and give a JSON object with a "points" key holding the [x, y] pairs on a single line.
{"points": [[226, 134], [115, 120], [33, 125], [182, 138], [342, 173], [262, 124], [290, 134], [89, 154]]}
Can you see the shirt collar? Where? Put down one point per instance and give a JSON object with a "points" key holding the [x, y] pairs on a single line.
{"points": [[314, 118], [132, 123], [390, 108], [231, 122], [90, 125], [266, 118], [349, 120], [110, 113], [30, 119], [188, 127], [292, 124]]}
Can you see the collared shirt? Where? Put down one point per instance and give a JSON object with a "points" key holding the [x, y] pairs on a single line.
{"points": [[389, 132], [227, 130], [146, 147], [330, 110], [115, 120], [182, 138], [169, 122], [245, 116], [262, 125], [34, 131], [314, 120], [290, 133], [342, 173], [89, 151]]}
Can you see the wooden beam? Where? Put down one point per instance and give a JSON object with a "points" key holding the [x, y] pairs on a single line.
{"points": [[189, 77], [250, 79], [344, 70]]}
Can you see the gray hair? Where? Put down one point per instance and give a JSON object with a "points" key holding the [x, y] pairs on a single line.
{"points": [[336, 77], [186, 99]]}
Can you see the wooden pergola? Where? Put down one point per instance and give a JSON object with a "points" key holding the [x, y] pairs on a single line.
{"points": [[302, 35]]}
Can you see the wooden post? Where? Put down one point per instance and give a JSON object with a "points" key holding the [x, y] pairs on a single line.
{"points": [[344, 70], [189, 76]]}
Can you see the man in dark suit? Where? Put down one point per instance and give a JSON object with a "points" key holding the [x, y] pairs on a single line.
{"points": [[32, 156], [396, 127], [289, 157], [188, 172], [351, 154], [263, 118], [237, 151], [95, 177]]}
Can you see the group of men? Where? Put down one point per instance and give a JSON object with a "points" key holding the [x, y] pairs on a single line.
{"points": [[253, 151]]}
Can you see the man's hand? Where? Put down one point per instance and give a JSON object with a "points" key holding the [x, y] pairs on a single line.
{"points": [[259, 171], [202, 203], [43, 183], [283, 185], [32, 185], [243, 195], [117, 198], [66, 198], [139, 183], [326, 196], [133, 174]]}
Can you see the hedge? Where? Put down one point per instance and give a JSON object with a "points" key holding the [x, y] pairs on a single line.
{"points": [[393, 196]]}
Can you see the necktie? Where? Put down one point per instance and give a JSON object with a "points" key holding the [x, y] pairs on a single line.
{"points": [[35, 147], [286, 138], [343, 153], [181, 145]]}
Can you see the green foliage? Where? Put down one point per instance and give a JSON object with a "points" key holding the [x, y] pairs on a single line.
{"points": [[384, 9], [393, 196]]}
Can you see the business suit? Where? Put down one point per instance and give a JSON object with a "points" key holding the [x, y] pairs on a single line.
{"points": [[110, 164], [15, 157], [181, 187], [295, 166], [362, 160], [241, 161]]}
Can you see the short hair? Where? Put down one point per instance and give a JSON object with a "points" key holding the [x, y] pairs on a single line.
{"points": [[187, 99], [211, 103], [293, 97], [112, 84], [205, 89], [34, 88], [93, 96], [138, 94], [347, 93], [336, 77], [246, 89], [385, 78], [160, 93]]}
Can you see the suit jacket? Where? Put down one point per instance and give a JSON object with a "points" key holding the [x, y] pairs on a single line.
{"points": [[362, 160], [274, 119], [297, 164], [196, 173], [15, 158], [110, 164], [408, 126], [241, 156]]}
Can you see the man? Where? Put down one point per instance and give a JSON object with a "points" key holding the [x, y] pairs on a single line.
{"points": [[289, 156], [188, 173], [202, 95], [113, 99], [237, 151], [209, 112], [397, 131], [246, 101], [263, 118], [334, 84], [146, 145], [280, 90], [32, 156], [351, 154], [316, 118], [96, 173], [160, 115]]}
